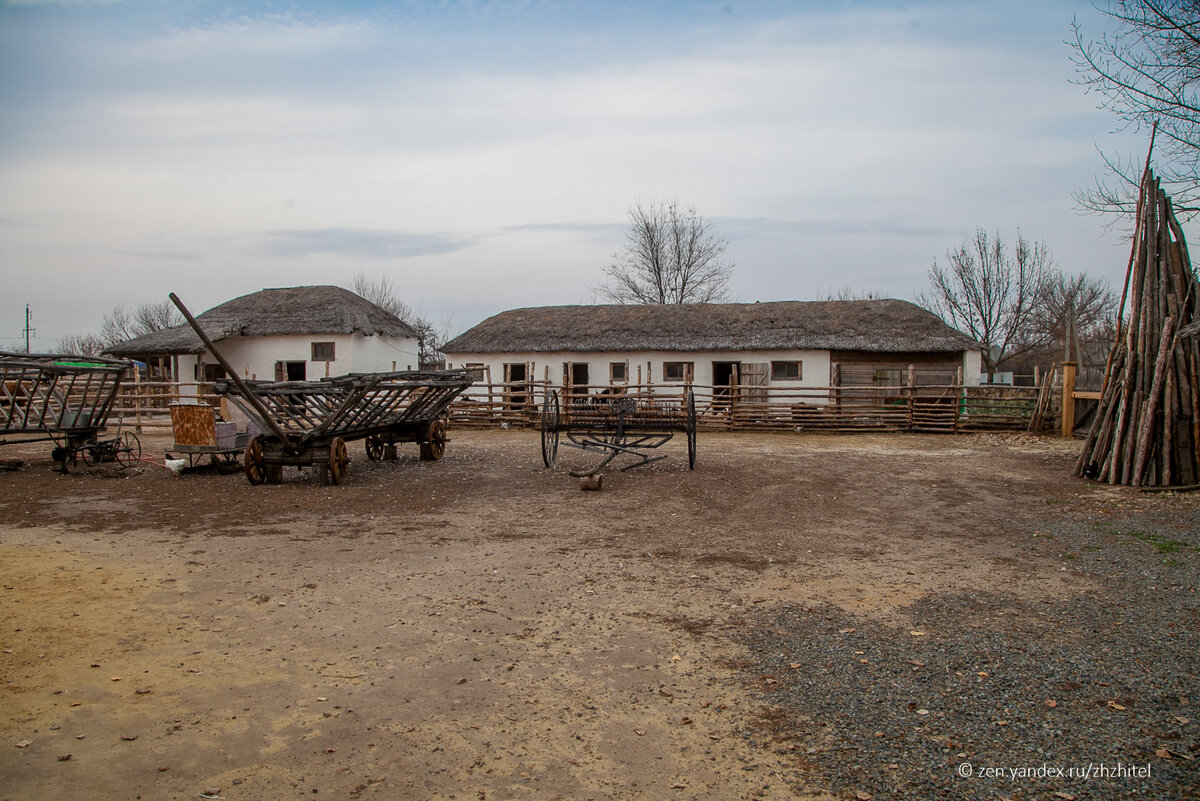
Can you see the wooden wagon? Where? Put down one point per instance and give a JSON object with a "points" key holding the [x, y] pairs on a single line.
{"points": [[615, 425], [308, 423], [66, 400]]}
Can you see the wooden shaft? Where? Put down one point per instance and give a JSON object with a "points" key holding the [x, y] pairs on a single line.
{"points": [[251, 398]]}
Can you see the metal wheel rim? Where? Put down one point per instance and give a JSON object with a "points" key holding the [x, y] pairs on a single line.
{"points": [[691, 430], [252, 461], [339, 460], [91, 454], [129, 449], [550, 423]]}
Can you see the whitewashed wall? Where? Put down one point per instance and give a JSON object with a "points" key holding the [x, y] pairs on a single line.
{"points": [[814, 370], [255, 357], [972, 367]]}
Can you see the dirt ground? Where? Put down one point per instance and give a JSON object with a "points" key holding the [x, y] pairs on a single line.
{"points": [[478, 627]]}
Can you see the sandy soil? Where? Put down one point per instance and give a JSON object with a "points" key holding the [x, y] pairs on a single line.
{"points": [[478, 627]]}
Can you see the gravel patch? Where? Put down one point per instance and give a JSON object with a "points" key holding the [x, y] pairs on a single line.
{"points": [[989, 695]]}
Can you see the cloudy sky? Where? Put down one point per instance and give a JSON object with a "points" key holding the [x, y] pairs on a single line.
{"points": [[483, 154]]}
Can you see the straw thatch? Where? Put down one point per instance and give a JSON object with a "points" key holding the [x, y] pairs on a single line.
{"points": [[302, 310], [881, 326]]}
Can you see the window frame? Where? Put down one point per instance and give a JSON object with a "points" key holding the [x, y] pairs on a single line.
{"points": [[332, 351], [776, 365], [685, 369]]}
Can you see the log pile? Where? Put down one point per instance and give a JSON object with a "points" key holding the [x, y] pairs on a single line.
{"points": [[1148, 422]]}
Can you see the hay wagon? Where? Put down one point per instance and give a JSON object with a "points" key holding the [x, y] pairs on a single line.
{"points": [[308, 423], [615, 425], [66, 400]]}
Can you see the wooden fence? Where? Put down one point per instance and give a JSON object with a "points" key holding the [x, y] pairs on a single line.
{"points": [[948, 408], [943, 408]]}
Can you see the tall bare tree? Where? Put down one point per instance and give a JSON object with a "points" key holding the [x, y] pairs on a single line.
{"points": [[671, 256], [1148, 73], [989, 293]]}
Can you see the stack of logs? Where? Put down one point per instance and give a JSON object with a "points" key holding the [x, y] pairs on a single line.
{"points": [[1148, 422]]}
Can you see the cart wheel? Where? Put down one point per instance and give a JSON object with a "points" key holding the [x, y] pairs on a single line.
{"points": [[374, 444], [252, 461], [434, 447], [550, 422], [92, 453], [129, 449], [226, 463], [339, 460], [691, 430]]}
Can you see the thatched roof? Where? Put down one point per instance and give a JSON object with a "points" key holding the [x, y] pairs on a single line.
{"points": [[301, 310], [886, 326]]}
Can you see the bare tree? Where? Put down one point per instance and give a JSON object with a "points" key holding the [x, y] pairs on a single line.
{"points": [[671, 256], [990, 294], [383, 294], [117, 326], [430, 336], [120, 325], [1148, 73], [1071, 310], [80, 345], [156, 316]]}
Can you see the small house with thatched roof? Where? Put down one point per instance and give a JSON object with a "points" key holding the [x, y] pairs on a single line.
{"points": [[287, 334], [787, 344]]}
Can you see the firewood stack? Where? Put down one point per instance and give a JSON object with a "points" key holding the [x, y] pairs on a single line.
{"points": [[1148, 422]]}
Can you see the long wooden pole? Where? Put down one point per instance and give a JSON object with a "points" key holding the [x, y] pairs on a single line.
{"points": [[251, 398]]}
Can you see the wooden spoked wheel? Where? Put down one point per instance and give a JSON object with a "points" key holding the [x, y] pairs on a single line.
{"points": [[339, 460], [225, 463], [434, 446], [691, 430], [550, 423], [374, 445], [253, 461], [129, 449]]}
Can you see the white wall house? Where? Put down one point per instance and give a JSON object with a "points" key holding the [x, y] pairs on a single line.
{"points": [[790, 345], [292, 333]]}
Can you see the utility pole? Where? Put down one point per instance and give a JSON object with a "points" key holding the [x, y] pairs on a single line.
{"points": [[28, 330]]}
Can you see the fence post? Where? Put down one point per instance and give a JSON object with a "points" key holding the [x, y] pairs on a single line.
{"points": [[137, 399], [1068, 398]]}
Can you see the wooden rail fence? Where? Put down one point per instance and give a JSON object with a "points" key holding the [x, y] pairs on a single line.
{"points": [[947, 409]]}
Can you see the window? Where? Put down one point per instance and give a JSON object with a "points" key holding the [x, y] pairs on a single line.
{"points": [[677, 371], [474, 371], [888, 377], [786, 371], [618, 372], [322, 351]]}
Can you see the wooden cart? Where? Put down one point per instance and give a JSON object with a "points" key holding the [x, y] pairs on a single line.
{"points": [[310, 422], [66, 400], [200, 437], [616, 425]]}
